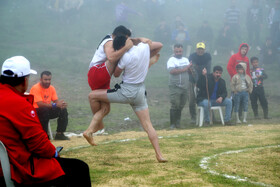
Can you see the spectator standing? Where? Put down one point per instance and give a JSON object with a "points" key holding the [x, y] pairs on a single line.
{"points": [[200, 60], [241, 85], [254, 23], [205, 34], [224, 41], [178, 67], [232, 18], [268, 52], [240, 56], [162, 32], [48, 106], [122, 11], [274, 20], [258, 75]]}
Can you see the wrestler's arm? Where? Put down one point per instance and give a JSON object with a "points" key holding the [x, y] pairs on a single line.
{"points": [[118, 71], [155, 47], [114, 56]]}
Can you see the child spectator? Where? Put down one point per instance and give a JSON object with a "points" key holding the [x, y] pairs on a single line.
{"points": [[258, 75], [241, 84]]}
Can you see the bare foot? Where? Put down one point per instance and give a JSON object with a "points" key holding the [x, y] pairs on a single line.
{"points": [[89, 138], [162, 160], [154, 59]]}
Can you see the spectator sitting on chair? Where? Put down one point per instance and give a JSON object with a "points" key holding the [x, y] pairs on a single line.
{"points": [[216, 95], [48, 106], [33, 159]]}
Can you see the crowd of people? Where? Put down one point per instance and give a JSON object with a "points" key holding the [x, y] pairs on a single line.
{"points": [[190, 78]]}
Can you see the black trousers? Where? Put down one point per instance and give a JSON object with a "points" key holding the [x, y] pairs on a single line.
{"points": [[45, 114], [258, 94], [76, 174]]}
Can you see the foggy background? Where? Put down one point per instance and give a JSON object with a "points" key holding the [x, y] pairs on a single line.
{"points": [[62, 35]]}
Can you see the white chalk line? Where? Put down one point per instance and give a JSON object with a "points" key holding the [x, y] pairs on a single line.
{"points": [[204, 161], [204, 164], [115, 141]]}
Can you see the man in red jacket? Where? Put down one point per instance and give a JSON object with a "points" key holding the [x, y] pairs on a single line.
{"points": [[33, 158], [237, 58]]}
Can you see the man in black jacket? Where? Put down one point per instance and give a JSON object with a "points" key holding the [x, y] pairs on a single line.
{"points": [[214, 94]]}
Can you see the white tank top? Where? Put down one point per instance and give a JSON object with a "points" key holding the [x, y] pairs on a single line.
{"points": [[99, 56]]}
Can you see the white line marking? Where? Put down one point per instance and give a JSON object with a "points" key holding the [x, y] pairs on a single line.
{"points": [[204, 164]]}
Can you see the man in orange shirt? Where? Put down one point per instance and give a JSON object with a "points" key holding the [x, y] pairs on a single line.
{"points": [[48, 106]]}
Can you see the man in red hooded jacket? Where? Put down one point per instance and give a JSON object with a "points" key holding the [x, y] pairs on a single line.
{"points": [[237, 58], [33, 158]]}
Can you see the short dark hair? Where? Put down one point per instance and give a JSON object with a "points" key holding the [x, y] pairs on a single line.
{"points": [[254, 58], [48, 73], [119, 42], [217, 68], [239, 66], [244, 45], [121, 30], [178, 46], [12, 81]]}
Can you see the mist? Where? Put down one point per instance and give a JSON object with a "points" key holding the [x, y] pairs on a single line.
{"points": [[62, 35]]}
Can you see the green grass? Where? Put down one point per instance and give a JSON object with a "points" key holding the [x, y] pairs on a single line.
{"points": [[133, 162]]}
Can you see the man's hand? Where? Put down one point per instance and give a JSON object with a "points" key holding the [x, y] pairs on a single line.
{"points": [[128, 43], [61, 104], [219, 100]]}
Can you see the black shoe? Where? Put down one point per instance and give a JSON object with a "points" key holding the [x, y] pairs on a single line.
{"points": [[267, 117], [61, 136], [257, 117], [193, 121], [206, 124], [172, 127], [228, 123]]}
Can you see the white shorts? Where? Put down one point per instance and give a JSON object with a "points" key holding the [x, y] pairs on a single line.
{"points": [[133, 94]]}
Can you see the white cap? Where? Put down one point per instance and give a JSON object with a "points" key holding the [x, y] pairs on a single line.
{"points": [[18, 65]]}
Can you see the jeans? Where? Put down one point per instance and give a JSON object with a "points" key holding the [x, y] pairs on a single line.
{"points": [[226, 102], [241, 97]]}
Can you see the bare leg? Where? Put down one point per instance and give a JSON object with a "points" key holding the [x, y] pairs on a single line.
{"points": [[146, 123], [100, 110]]}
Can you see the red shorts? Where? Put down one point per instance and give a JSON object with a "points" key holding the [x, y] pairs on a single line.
{"points": [[98, 77]]}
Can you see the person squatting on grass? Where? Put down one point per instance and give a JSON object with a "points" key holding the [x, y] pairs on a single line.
{"points": [[241, 85], [34, 160], [258, 75], [100, 71], [217, 93], [178, 67], [134, 65]]}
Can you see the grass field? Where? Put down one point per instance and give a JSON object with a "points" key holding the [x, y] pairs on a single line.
{"points": [[197, 157]]}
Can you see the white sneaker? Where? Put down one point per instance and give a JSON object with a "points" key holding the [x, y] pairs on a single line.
{"points": [[244, 121], [238, 121], [215, 53]]}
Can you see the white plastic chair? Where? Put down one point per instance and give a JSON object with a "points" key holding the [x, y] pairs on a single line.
{"points": [[5, 163], [200, 114], [50, 131]]}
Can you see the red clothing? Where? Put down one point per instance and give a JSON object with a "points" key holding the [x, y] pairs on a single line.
{"points": [[29, 149], [236, 59], [99, 77]]}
